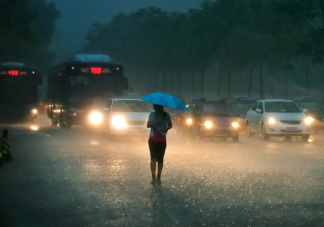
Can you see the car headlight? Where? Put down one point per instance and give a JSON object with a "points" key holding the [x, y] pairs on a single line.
{"points": [[272, 121], [235, 125], [189, 121], [34, 111], [308, 120], [119, 122], [311, 119], [208, 124], [95, 118]]}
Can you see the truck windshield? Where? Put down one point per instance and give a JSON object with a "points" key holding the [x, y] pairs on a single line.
{"points": [[282, 107], [17, 90]]}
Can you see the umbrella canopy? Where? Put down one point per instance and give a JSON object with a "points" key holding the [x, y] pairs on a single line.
{"points": [[165, 100]]}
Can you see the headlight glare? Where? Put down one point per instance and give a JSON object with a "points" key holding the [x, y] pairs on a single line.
{"points": [[34, 111], [308, 120], [119, 122], [208, 124], [235, 125], [189, 121], [95, 118], [272, 121]]}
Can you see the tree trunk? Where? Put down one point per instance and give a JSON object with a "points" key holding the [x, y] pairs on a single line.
{"points": [[307, 80], [249, 93], [155, 81], [164, 81], [286, 84], [193, 83], [179, 81], [220, 79], [229, 82], [261, 81], [202, 83]]}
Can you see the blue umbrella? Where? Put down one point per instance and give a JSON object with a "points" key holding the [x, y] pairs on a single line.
{"points": [[165, 100]]}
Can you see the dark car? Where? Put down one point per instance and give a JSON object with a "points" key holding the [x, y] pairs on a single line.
{"points": [[182, 120], [214, 119], [240, 106], [315, 109]]}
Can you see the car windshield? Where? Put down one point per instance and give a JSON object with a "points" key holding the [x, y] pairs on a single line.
{"points": [[190, 107], [99, 103], [130, 106], [312, 105], [217, 110], [282, 107], [241, 107]]}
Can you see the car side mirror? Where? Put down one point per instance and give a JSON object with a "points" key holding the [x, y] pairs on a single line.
{"points": [[305, 110], [258, 110], [236, 115], [105, 109]]}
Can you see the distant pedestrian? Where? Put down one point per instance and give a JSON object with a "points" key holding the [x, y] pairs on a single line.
{"points": [[159, 122], [5, 146]]}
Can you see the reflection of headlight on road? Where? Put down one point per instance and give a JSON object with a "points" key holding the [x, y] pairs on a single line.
{"points": [[308, 120], [34, 111], [272, 121], [95, 118], [208, 124], [119, 122], [189, 121], [235, 125]]}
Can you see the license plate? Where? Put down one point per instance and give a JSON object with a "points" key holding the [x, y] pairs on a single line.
{"points": [[292, 129]]}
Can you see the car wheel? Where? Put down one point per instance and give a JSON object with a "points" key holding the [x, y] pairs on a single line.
{"points": [[235, 138], [248, 131], [264, 135], [305, 138]]}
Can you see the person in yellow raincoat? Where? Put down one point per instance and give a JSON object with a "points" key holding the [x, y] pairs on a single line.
{"points": [[5, 146]]}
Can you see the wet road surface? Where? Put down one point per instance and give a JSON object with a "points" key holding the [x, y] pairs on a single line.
{"points": [[75, 178]]}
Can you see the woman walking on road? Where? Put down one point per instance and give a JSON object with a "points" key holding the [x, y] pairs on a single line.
{"points": [[159, 122]]}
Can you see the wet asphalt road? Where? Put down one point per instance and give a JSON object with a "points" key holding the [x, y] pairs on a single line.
{"points": [[75, 178]]}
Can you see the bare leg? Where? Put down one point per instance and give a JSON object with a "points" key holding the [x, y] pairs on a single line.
{"points": [[153, 166], [160, 167]]}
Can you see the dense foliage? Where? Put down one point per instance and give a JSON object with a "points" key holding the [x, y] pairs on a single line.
{"points": [[26, 31], [260, 39]]}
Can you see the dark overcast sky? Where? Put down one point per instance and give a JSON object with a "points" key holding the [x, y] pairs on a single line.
{"points": [[79, 15]]}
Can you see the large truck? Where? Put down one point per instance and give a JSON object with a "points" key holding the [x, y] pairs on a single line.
{"points": [[74, 85], [18, 91]]}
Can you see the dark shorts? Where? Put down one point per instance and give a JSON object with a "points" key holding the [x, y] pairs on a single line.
{"points": [[157, 150]]}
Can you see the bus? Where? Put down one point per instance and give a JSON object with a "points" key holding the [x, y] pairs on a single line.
{"points": [[18, 91], [74, 84]]}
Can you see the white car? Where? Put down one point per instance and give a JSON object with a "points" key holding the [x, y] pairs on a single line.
{"points": [[126, 117], [277, 117]]}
